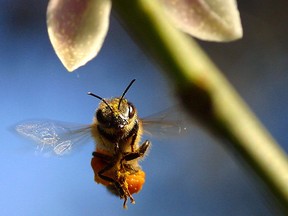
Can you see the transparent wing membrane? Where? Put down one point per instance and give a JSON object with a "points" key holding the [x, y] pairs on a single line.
{"points": [[55, 137], [169, 122]]}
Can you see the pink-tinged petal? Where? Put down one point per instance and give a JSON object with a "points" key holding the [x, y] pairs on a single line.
{"points": [[77, 29], [213, 20]]}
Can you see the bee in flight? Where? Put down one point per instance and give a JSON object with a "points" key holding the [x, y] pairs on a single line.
{"points": [[117, 132]]}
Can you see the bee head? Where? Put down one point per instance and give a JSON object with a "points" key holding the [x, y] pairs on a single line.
{"points": [[109, 115], [116, 112]]}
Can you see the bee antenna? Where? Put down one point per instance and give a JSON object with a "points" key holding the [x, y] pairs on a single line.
{"points": [[100, 98], [125, 91]]}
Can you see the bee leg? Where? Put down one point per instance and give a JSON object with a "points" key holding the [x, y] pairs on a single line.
{"points": [[110, 165], [140, 152], [126, 192], [124, 203], [106, 158], [134, 133], [126, 198], [119, 184]]}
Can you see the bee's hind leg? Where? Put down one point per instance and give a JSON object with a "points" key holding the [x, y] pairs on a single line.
{"points": [[110, 165], [119, 184]]}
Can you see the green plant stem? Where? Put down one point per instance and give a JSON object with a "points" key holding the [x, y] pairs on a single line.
{"points": [[204, 92]]}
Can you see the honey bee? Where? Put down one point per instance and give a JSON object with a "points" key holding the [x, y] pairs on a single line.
{"points": [[117, 132]]}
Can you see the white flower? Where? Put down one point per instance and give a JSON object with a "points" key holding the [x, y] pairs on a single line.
{"points": [[77, 28], [212, 20]]}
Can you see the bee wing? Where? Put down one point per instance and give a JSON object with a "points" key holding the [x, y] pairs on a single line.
{"points": [[169, 122], [54, 137]]}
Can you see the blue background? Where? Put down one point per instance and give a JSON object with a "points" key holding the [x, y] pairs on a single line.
{"points": [[192, 175]]}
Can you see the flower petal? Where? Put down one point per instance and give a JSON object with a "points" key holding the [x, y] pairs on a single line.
{"points": [[214, 20], [77, 29]]}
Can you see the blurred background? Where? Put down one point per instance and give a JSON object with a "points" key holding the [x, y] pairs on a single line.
{"points": [[191, 175]]}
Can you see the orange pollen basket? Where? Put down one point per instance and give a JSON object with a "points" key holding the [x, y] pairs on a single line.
{"points": [[135, 181]]}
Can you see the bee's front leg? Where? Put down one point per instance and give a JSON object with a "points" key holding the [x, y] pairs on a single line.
{"points": [[140, 152], [134, 134]]}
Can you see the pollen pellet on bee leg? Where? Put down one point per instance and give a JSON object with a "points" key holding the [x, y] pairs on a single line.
{"points": [[135, 181]]}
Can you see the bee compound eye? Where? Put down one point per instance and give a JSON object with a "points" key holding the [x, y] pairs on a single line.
{"points": [[100, 117], [131, 110]]}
